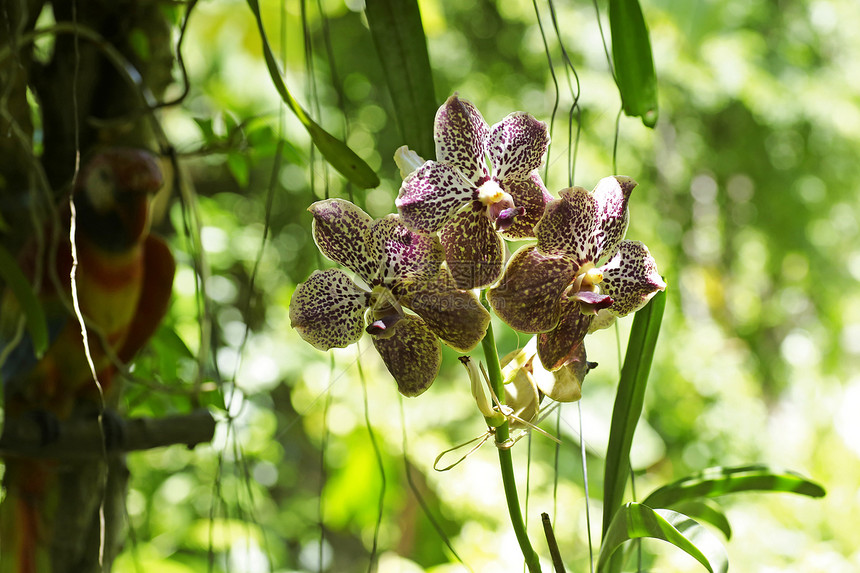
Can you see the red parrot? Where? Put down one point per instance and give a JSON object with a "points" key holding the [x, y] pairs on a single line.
{"points": [[123, 279]]}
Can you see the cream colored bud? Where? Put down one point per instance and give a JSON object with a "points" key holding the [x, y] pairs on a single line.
{"points": [[494, 417], [407, 161]]}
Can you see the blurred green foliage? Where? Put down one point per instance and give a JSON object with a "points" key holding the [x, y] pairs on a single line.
{"points": [[747, 198]]}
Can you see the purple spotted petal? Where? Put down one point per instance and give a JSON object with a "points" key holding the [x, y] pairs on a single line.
{"points": [[340, 231], [460, 133], [567, 225], [528, 296], [473, 249], [453, 315], [530, 194], [631, 278], [587, 225], [327, 309], [611, 196], [412, 355], [402, 254], [560, 345], [430, 195], [517, 146]]}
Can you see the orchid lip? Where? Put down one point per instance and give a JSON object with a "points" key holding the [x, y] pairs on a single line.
{"points": [[507, 216], [383, 327]]}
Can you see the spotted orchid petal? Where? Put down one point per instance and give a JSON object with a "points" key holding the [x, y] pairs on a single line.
{"points": [[611, 196], [456, 316], [412, 355], [558, 346], [473, 249], [402, 254], [340, 231], [460, 133], [431, 194], [327, 309], [567, 224], [517, 146], [530, 194], [587, 225], [528, 296], [631, 278]]}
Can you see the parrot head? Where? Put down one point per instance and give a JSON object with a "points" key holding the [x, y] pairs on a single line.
{"points": [[112, 196]]}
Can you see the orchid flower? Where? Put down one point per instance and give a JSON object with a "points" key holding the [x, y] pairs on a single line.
{"points": [[580, 275], [484, 181], [400, 269]]}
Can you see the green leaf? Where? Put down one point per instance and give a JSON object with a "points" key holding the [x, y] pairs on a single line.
{"points": [[707, 511], [402, 48], [336, 152], [722, 480], [237, 164], [634, 64], [628, 403], [37, 324], [206, 129], [635, 520]]}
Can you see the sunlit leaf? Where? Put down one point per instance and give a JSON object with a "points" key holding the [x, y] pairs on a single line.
{"points": [[634, 64], [722, 480], [37, 325], [705, 510], [634, 521], [336, 152], [402, 49], [628, 403], [628, 407]]}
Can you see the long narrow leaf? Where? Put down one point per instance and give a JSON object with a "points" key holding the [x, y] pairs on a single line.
{"points": [[634, 64], [34, 316], [402, 49], [336, 152], [705, 510], [628, 403], [722, 480], [635, 520]]}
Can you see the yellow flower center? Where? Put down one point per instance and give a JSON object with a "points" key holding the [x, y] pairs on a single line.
{"points": [[587, 278], [490, 193]]}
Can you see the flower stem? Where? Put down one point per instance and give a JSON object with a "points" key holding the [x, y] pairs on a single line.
{"points": [[494, 370]]}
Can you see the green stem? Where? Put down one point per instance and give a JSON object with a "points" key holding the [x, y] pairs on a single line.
{"points": [[494, 370]]}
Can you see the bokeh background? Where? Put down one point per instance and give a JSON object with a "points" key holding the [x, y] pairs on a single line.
{"points": [[747, 198]]}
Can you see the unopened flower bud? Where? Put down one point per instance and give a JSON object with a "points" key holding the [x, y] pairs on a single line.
{"points": [[521, 393], [494, 417], [407, 161]]}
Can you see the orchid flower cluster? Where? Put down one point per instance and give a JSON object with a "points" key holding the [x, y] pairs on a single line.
{"points": [[417, 272]]}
